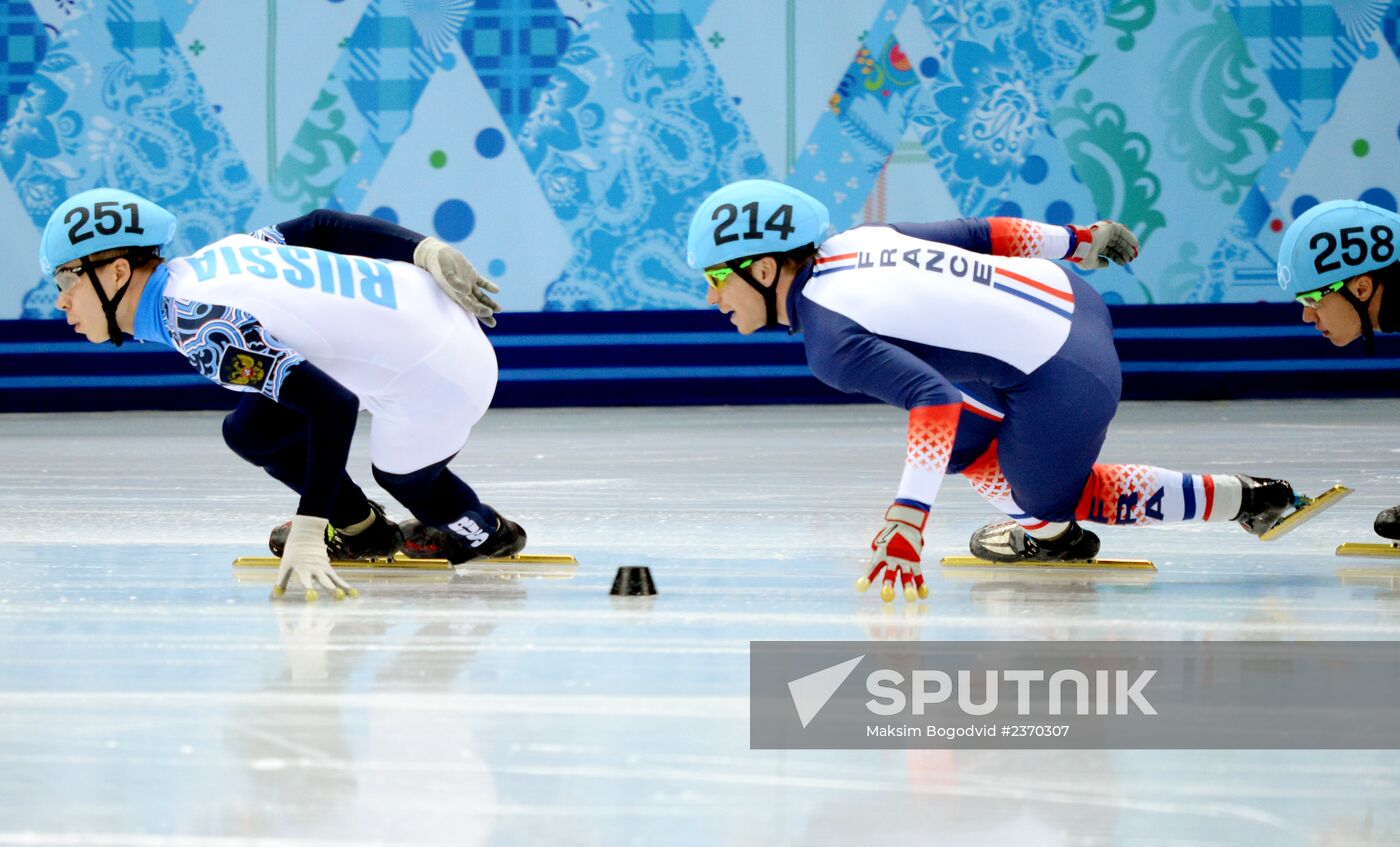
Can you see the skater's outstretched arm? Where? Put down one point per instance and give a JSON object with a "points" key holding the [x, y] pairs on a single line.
{"points": [[330, 410], [1089, 246], [854, 359], [230, 347]]}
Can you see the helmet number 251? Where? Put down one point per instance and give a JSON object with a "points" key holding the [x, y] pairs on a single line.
{"points": [[780, 222], [1353, 248], [105, 217]]}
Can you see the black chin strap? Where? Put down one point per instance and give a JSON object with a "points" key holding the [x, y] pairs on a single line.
{"points": [[769, 292], [1368, 332], [109, 307]]}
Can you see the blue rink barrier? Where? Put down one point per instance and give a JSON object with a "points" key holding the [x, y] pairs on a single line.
{"points": [[694, 357]]}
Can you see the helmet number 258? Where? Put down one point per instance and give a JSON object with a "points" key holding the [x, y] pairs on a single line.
{"points": [[780, 222], [105, 217], [1353, 248]]}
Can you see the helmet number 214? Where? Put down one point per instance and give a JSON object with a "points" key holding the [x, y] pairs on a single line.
{"points": [[780, 222]]}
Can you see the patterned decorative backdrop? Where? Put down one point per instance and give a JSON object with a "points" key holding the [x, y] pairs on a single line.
{"points": [[564, 143]]}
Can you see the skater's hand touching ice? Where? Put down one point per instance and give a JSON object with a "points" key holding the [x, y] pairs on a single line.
{"points": [[1104, 242], [897, 549], [306, 558]]}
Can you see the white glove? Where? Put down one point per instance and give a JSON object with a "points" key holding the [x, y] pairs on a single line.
{"points": [[305, 556], [458, 278], [1103, 242], [897, 549]]}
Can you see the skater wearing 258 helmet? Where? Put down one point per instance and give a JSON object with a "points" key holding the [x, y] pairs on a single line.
{"points": [[1003, 359], [300, 318], [1338, 259]]}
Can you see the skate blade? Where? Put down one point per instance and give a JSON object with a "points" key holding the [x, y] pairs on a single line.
{"points": [[1366, 548], [1083, 564], [362, 578], [404, 563], [1306, 512]]}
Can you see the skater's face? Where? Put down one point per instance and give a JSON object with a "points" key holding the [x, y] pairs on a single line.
{"points": [[1334, 317], [736, 298], [78, 301]]}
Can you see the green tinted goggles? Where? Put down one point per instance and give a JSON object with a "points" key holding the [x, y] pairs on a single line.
{"points": [[1312, 298], [720, 276]]}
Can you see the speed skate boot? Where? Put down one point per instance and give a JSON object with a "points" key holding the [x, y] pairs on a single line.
{"points": [[1388, 523], [380, 540], [421, 541], [1008, 541], [1263, 502]]}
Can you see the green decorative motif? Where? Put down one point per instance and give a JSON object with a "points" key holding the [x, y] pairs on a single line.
{"points": [[1130, 17], [1111, 162], [1214, 116], [309, 172], [1176, 283]]}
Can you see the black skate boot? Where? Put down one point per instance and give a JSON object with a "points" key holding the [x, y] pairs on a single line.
{"points": [[1388, 523], [1007, 541], [1263, 502], [421, 541], [379, 540]]}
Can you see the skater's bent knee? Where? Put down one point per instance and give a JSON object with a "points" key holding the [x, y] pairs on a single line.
{"points": [[238, 438]]}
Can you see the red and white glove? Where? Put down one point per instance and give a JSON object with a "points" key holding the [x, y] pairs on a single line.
{"points": [[1098, 244], [897, 549]]}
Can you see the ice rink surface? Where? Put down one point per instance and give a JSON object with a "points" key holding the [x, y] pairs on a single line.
{"points": [[150, 697]]}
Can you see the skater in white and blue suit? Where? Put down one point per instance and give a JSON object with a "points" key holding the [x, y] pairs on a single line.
{"points": [[312, 319]]}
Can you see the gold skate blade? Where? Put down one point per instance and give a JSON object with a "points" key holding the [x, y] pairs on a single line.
{"points": [[404, 563], [1314, 507], [1083, 564], [362, 578], [1367, 548]]}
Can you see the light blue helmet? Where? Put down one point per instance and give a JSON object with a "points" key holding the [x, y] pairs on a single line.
{"points": [[101, 219], [752, 218], [1334, 241]]}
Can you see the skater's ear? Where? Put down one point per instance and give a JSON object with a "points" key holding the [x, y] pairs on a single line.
{"points": [[765, 270], [1362, 285]]}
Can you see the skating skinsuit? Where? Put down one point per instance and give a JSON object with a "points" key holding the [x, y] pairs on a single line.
{"points": [[979, 347], [248, 309]]}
